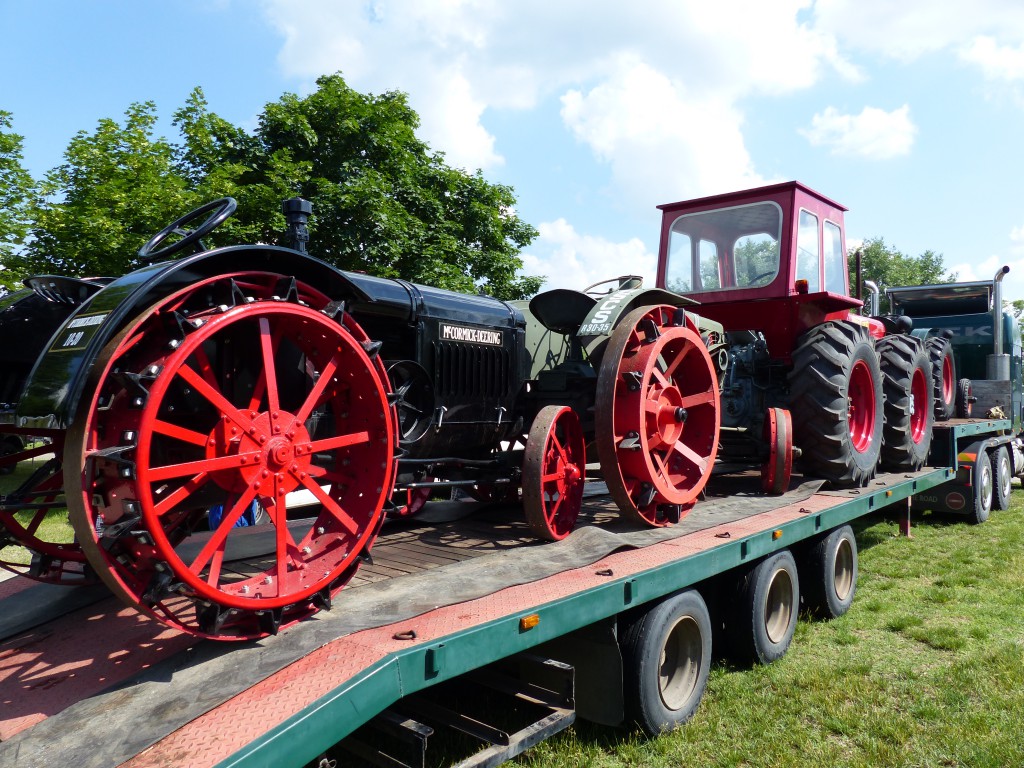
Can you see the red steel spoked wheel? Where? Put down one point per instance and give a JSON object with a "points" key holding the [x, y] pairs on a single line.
{"points": [[657, 415], [203, 420], [777, 434], [554, 466], [53, 555]]}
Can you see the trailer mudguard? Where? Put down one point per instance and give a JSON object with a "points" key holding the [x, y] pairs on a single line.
{"points": [[55, 383]]}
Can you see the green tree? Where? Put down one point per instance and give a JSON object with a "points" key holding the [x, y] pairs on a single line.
{"points": [[383, 202], [116, 187], [888, 267], [17, 190]]}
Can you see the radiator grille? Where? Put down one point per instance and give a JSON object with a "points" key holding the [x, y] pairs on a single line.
{"points": [[465, 370]]}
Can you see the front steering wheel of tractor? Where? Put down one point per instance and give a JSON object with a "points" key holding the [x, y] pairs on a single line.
{"points": [[218, 210], [622, 281]]}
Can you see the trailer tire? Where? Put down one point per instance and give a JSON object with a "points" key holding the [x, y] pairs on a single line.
{"points": [[907, 385], [766, 610], [830, 574], [666, 659], [836, 389], [981, 489], [1002, 478], [940, 353]]}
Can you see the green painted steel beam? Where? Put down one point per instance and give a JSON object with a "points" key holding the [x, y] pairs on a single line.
{"points": [[309, 733]]}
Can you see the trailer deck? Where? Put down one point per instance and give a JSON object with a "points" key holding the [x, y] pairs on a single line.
{"points": [[94, 684]]}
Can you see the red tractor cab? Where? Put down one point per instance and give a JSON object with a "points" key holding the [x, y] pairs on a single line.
{"points": [[770, 265]]}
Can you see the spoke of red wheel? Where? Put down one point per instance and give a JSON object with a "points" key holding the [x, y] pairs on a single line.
{"points": [[285, 543], [213, 577], [690, 455], [218, 537], [330, 505], [257, 394], [179, 433], [678, 359], [205, 367], [552, 509], [706, 397], [203, 465], [314, 396], [267, 345], [559, 448], [214, 396], [167, 504], [339, 441], [37, 518]]}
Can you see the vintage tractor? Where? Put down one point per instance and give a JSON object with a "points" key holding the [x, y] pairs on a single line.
{"points": [[229, 428], [770, 265]]}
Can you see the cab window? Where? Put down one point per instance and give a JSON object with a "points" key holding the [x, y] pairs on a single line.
{"points": [[808, 257], [835, 264]]}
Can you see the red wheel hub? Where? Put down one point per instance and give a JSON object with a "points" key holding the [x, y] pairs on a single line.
{"points": [[861, 407], [920, 403]]}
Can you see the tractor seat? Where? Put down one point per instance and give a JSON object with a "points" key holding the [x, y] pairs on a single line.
{"points": [[561, 310]]}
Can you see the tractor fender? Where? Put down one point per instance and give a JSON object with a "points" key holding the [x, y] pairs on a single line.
{"points": [[57, 380], [604, 316]]}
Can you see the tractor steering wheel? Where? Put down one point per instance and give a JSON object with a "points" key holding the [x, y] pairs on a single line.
{"points": [[624, 281], [221, 210]]}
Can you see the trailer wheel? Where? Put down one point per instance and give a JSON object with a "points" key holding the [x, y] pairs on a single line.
{"points": [[907, 386], [940, 354], [666, 659], [218, 395], [830, 577], [553, 472], [657, 415], [836, 390], [765, 613], [982, 489], [964, 399], [1002, 478]]}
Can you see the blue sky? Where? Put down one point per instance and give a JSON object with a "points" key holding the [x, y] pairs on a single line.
{"points": [[909, 113]]}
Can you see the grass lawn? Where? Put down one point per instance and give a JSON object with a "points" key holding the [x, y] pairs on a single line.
{"points": [[926, 669], [54, 528]]}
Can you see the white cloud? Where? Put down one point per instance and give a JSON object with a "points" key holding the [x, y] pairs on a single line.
{"points": [[997, 62], [461, 58], [573, 260], [873, 134], [660, 141], [913, 28]]}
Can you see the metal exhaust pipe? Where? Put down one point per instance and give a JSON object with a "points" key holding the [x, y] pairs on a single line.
{"points": [[998, 364], [872, 287]]}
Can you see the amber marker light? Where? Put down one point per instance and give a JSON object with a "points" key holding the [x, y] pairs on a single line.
{"points": [[801, 286], [528, 622], [776, 534]]}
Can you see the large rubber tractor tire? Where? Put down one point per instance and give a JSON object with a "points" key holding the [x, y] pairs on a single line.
{"points": [[909, 413], [940, 353], [657, 415], [836, 396], [212, 405]]}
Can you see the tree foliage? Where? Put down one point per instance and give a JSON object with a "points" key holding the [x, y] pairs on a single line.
{"points": [[383, 202], [17, 190], [889, 268]]}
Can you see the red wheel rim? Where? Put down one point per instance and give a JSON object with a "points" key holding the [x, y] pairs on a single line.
{"points": [[657, 415], [21, 517], [777, 434], [948, 385], [251, 403], [861, 407], [553, 472], [920, 400]]}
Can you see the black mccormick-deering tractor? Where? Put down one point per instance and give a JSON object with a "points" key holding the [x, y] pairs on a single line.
{"points": [[230, 428]]}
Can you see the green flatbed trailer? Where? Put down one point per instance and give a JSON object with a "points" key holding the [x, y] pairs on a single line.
{"points": [[87, 683]]}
